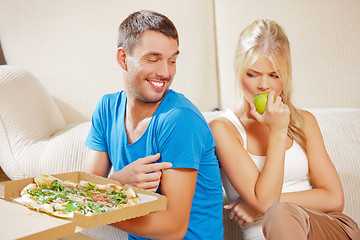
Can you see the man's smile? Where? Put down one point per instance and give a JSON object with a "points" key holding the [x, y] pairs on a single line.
{"points": [[157, 84]]}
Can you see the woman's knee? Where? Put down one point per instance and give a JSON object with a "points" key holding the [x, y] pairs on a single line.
{"points": [[280, 215], [279, 212], [282, 207], [282, 220]]}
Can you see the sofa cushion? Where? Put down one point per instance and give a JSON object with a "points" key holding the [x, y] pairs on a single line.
{"points": [[34, 138], [341, 133]]}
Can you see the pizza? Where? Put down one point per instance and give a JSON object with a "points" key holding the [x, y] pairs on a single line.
{"points": [[64, 198]]}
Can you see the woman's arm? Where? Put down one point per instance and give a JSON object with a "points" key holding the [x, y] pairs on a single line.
{"points": [[260, 191], [328, 194]]}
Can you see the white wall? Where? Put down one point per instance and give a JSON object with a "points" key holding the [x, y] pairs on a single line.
{"points": [[70, 46], [324, 37]]}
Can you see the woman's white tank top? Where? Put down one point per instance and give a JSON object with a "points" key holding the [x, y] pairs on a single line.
{"points": [[296, 174]]}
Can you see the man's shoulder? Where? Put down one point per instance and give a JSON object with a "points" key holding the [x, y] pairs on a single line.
{"points": [[109, 104], [111, 100], [180, 111], [112, 97], [177, 102]]}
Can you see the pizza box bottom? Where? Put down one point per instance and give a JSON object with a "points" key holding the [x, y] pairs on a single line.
{"points": [[19, 222]]}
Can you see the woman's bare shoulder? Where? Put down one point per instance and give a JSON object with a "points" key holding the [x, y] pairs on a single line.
{"points": [[220, 124], [308, 117], [310, 124]]}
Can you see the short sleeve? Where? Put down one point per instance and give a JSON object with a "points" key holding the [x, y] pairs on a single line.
{"points": [[96, 137], [183, 138]]}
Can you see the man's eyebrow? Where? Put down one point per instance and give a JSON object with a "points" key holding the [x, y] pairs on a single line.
{"points": [[159, 54], [152, 53]]}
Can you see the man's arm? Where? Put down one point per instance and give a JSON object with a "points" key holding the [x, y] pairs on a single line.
{"points": [[97, 163], [178, 185]]}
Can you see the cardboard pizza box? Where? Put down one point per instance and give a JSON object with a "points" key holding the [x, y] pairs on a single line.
{"points": [[149, 202], [19, 222]]}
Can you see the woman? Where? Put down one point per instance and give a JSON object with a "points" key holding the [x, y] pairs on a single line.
{"points": [[267, 158]]}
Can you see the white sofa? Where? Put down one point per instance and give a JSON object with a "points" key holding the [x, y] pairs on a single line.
{"points": [[59, 59]]}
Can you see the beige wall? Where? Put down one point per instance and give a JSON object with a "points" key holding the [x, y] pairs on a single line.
{"points": [[324, 37], [70, 47]]}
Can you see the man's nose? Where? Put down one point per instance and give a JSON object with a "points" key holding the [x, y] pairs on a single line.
{"points": [[163, 70]]}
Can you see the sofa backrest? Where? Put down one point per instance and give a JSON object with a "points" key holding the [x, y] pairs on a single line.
{"points": [[70, 46]]}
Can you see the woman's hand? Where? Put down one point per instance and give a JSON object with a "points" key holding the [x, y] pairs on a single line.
{"points": [[242, 213], [276, 115]]}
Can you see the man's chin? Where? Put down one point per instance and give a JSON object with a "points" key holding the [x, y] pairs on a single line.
{"points": [[157, 98], [154, 98]]}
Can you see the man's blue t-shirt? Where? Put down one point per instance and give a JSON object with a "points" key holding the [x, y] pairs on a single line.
{"points": [[181, 135]]}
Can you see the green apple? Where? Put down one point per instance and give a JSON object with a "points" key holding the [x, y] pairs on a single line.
{"points": [[260, 102]]}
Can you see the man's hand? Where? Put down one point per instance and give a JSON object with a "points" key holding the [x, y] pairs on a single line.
{"points": [[242, 213], [142, 173]]}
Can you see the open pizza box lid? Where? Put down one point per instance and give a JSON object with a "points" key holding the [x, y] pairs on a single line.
{"points": [[19, 222]]}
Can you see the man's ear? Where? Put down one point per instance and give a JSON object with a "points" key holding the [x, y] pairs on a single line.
{"points": [[121, 58]]}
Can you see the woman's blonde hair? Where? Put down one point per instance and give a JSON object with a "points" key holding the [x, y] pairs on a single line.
{"points": [[265, 37]]}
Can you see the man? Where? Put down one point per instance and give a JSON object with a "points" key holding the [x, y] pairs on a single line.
{"points": [[155, 138]]}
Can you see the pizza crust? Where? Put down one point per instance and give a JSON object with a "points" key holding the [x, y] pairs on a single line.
{"points": [[44, 179], [28, 201], [30, 187]]}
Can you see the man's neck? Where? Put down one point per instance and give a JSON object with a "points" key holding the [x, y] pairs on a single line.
{"points": [[138, 111], [137, 118]]}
